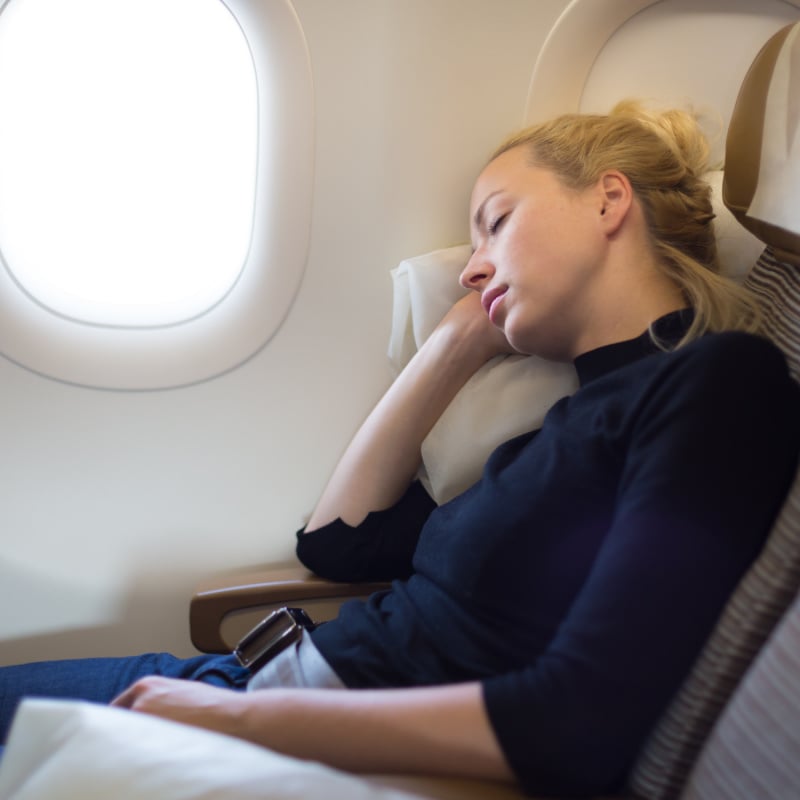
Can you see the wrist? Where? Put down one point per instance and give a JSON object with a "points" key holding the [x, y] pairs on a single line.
{"points": [[467, 343], [261, 715]]}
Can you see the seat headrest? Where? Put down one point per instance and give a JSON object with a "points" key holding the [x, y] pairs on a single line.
{"points": [[762, 154]]}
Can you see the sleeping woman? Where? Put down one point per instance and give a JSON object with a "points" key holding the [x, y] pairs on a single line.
{"points": [[538, 624]]}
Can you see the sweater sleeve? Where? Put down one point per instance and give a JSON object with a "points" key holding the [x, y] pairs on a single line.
{"points": [[381, 548], [711, 454]]}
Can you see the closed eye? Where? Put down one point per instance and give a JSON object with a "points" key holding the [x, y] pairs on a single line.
{"points": [[497, 223]]}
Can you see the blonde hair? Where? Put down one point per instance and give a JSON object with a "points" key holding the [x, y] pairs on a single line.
{"points": [[664, 155]]}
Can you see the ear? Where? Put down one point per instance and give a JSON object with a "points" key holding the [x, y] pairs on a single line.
{"points": [[615, 195]]}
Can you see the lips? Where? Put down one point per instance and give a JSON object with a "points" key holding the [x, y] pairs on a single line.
{"points": [[490, 300]]}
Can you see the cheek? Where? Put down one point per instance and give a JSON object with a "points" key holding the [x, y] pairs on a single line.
{"points": [[520, 252]]}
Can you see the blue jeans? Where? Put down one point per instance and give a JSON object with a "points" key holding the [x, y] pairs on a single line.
{"points": [[100, 680]]}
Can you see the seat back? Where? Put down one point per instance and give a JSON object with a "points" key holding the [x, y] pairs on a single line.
{"points": [[759, 190]]}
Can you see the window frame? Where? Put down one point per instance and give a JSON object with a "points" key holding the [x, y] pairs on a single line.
{"points": [[243, 320]]}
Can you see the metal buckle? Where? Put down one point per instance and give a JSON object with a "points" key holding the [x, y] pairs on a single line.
{"points": [[272, 635]]}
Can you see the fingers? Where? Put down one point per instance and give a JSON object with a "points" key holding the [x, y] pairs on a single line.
{"points": [[187, 702], [128, 698], [134, 695]]}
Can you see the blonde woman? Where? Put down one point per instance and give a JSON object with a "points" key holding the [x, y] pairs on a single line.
{"points": [[539, 623]]}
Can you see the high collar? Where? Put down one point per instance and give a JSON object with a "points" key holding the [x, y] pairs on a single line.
{"points": [[663, 334]]}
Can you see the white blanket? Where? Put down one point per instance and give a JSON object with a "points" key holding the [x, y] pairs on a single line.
{"points": [[79, 751]]}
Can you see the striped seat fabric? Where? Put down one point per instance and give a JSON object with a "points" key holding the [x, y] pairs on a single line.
{"points": [[754, 750], [756, 606], [777, 284]]}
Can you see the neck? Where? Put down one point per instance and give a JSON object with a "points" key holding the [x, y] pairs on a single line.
{"points": [[631, 294]]}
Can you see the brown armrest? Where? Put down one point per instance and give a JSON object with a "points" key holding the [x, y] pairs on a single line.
{"points": [[281, 585]]}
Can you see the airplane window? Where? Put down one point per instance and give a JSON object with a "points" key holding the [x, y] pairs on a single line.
{"points": [[156, 164], [127, 155]]}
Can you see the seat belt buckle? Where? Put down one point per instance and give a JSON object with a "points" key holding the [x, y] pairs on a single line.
{"points": [[272, 635]]}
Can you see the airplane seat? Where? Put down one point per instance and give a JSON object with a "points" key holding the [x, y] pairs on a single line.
{"points": [[761, 187]]}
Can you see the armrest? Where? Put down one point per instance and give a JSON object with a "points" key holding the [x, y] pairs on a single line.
{"points": [[216, 598]]}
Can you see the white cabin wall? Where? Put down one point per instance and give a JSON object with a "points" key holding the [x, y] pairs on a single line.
{"points": [[113, 505]]}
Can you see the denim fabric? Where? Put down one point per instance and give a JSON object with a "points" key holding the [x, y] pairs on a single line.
{"points": [[100, 680]]}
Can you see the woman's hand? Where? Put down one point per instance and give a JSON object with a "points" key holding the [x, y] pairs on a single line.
{"points": [[189, 702], [470, 321]]}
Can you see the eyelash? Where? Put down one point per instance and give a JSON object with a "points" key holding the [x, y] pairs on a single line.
{"points": [[496, 224]]}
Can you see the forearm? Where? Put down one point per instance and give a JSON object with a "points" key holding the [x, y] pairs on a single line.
{"points": [[438, 730], [384, 455], [435, 730]]}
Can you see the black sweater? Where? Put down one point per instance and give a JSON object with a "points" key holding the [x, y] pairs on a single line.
{"points": [[579, 578]]}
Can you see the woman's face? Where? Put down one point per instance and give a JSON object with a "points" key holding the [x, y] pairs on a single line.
{"points": [[537, 246]]}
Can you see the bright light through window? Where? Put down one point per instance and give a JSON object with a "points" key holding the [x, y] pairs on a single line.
{"points": [[128, 149]]}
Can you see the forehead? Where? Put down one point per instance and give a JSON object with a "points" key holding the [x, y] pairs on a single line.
{"points": [[511, 172], [504, 169]]}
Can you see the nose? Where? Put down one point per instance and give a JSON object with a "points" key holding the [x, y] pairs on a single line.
{"points": [[477, 272]]}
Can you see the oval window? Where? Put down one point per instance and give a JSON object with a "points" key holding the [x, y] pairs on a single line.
{"points": [[127, 156], [146, 151]]}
